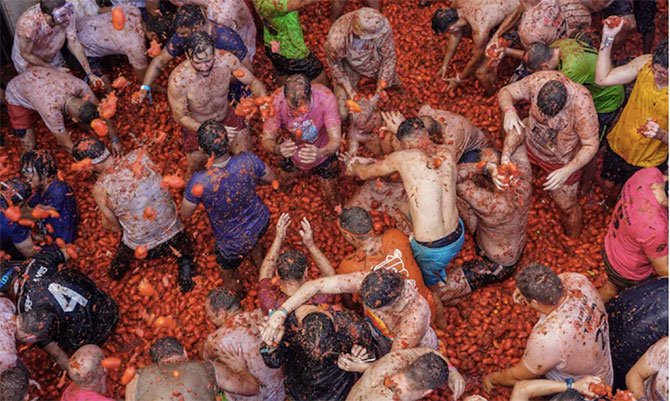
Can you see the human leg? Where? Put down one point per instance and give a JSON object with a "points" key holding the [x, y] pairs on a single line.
{"points": [[569, 210]]}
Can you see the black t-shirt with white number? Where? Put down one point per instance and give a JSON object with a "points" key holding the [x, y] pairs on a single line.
{"points": [[85, 314]]}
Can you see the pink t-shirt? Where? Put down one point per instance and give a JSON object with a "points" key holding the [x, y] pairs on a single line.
{"points": [[573, 340], [309, 128], [656, 387], [638, 231], [99, 38], [46, 91], [7, 332], [47, 40], [74, 393]]}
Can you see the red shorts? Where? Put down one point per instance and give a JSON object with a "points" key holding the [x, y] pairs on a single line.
{"points": [[190, 138], [550, 167], [21, 118]]}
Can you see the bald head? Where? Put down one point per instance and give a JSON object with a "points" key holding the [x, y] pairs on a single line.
{"points": [[85, 366]]}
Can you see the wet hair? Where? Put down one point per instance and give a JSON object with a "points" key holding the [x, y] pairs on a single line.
{"points": [[87, 113], [356, 220], [428, 372], [297, 88], [14, 383], [552, 98], [381, 287], [569, 395], [443, 19], [188, 16], [9, 270], [213, 138], [198, 42], [88, 147], [165, 347], [40, 322], [537, 54], [409, 127], [41, 162], [48, 6], [538, 282], [660, 56], [223, 299], [20, 190], [291, 265], [160, 26], [317, 335]]}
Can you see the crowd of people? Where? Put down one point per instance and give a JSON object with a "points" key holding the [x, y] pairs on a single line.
{"points": [[365, 329]]}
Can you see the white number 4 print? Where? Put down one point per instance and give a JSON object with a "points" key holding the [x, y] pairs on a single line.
{"points": [[66, 298]]}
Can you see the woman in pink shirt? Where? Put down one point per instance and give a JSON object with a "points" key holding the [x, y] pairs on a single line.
{"points": [[636, 245]]}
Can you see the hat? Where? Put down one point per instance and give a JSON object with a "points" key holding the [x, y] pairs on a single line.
{"points": [[368, 24]]}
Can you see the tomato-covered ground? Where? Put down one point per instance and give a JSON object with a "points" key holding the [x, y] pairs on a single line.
{"points": [[486, 332]]}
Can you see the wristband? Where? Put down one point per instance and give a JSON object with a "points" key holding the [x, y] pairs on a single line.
{"points": [[569, 381], [607, 42], [148, 89], [282, 310]]}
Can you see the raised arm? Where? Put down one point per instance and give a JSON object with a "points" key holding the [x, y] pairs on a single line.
{"points": [[268, 266], [322, 262], [605, 74]]}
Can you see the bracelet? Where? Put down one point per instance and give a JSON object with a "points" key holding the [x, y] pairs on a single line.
{"points": [[146, 88], [282, 310], [569, 381], [606, 42]]}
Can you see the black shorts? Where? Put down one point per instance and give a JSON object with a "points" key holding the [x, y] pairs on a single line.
{"points": [[328, 169], [309, 66], [645, 15], [619, 7], [606, 122], [615, 168]]}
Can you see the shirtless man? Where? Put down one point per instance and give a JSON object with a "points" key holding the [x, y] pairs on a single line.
{"points": [[198, 91], [194, 380], [41, 32], [428, 172], [89, 378], [239, 331], [53, 95], [404, 375], [234, 14], [561, 135], [479, 17], [497, 219], [360, 44], [397, 314]]}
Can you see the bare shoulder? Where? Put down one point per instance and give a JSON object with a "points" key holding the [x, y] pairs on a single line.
{"points": [[639, 62]]}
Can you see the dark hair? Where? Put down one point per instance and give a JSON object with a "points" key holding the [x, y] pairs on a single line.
{"points": [[213, 138], [552, 98], [356, 220], [14, 383], [443, 19], [164, 348], [40, 322], [20, 190], [297, 88], [223, 299], [317, 335], [537, 54], [291, 265], [12, 269], [538, 282], [88, 147], [409, 128], [160, 26], [381, 287], [41, 162], [198, 42], [188, 16], [48, 6], [87, 113], [569, 395], [660, 56], [428, 372]]}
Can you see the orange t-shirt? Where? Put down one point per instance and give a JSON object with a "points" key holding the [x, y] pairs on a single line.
{"points": [[395, 252]]}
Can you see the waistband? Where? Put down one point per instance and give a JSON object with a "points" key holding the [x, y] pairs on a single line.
{"points": [[449, 239]]}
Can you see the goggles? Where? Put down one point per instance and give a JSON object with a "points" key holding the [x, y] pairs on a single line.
{"points": [[63, 13]]}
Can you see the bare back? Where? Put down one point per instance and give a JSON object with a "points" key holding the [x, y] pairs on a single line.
{"points": [[430, 183], [484, 15]]}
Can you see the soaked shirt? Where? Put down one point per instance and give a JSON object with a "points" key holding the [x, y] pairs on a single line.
{"points": [[236, 212], [573, 340], [130, 192], [84, 313], [243, 332], [99, 38], [457, 131], [375, 58], [551, 20], [46, 91], [225, 38], [47, 40], [60, 196], [656, 387], [638, 231], [236, 15], [11, 232], [7, 334]]}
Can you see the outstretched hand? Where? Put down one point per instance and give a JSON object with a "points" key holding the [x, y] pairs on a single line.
{"points": [[392, 120], [282, 225], [306, 233]]}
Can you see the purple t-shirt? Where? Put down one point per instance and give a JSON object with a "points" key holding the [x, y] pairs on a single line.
{"points": [[60, 196], [308, 128], [236, 212]]}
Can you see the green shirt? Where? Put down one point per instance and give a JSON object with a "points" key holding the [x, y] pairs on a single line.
{"points": [[578, 62], [283, 27]]}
